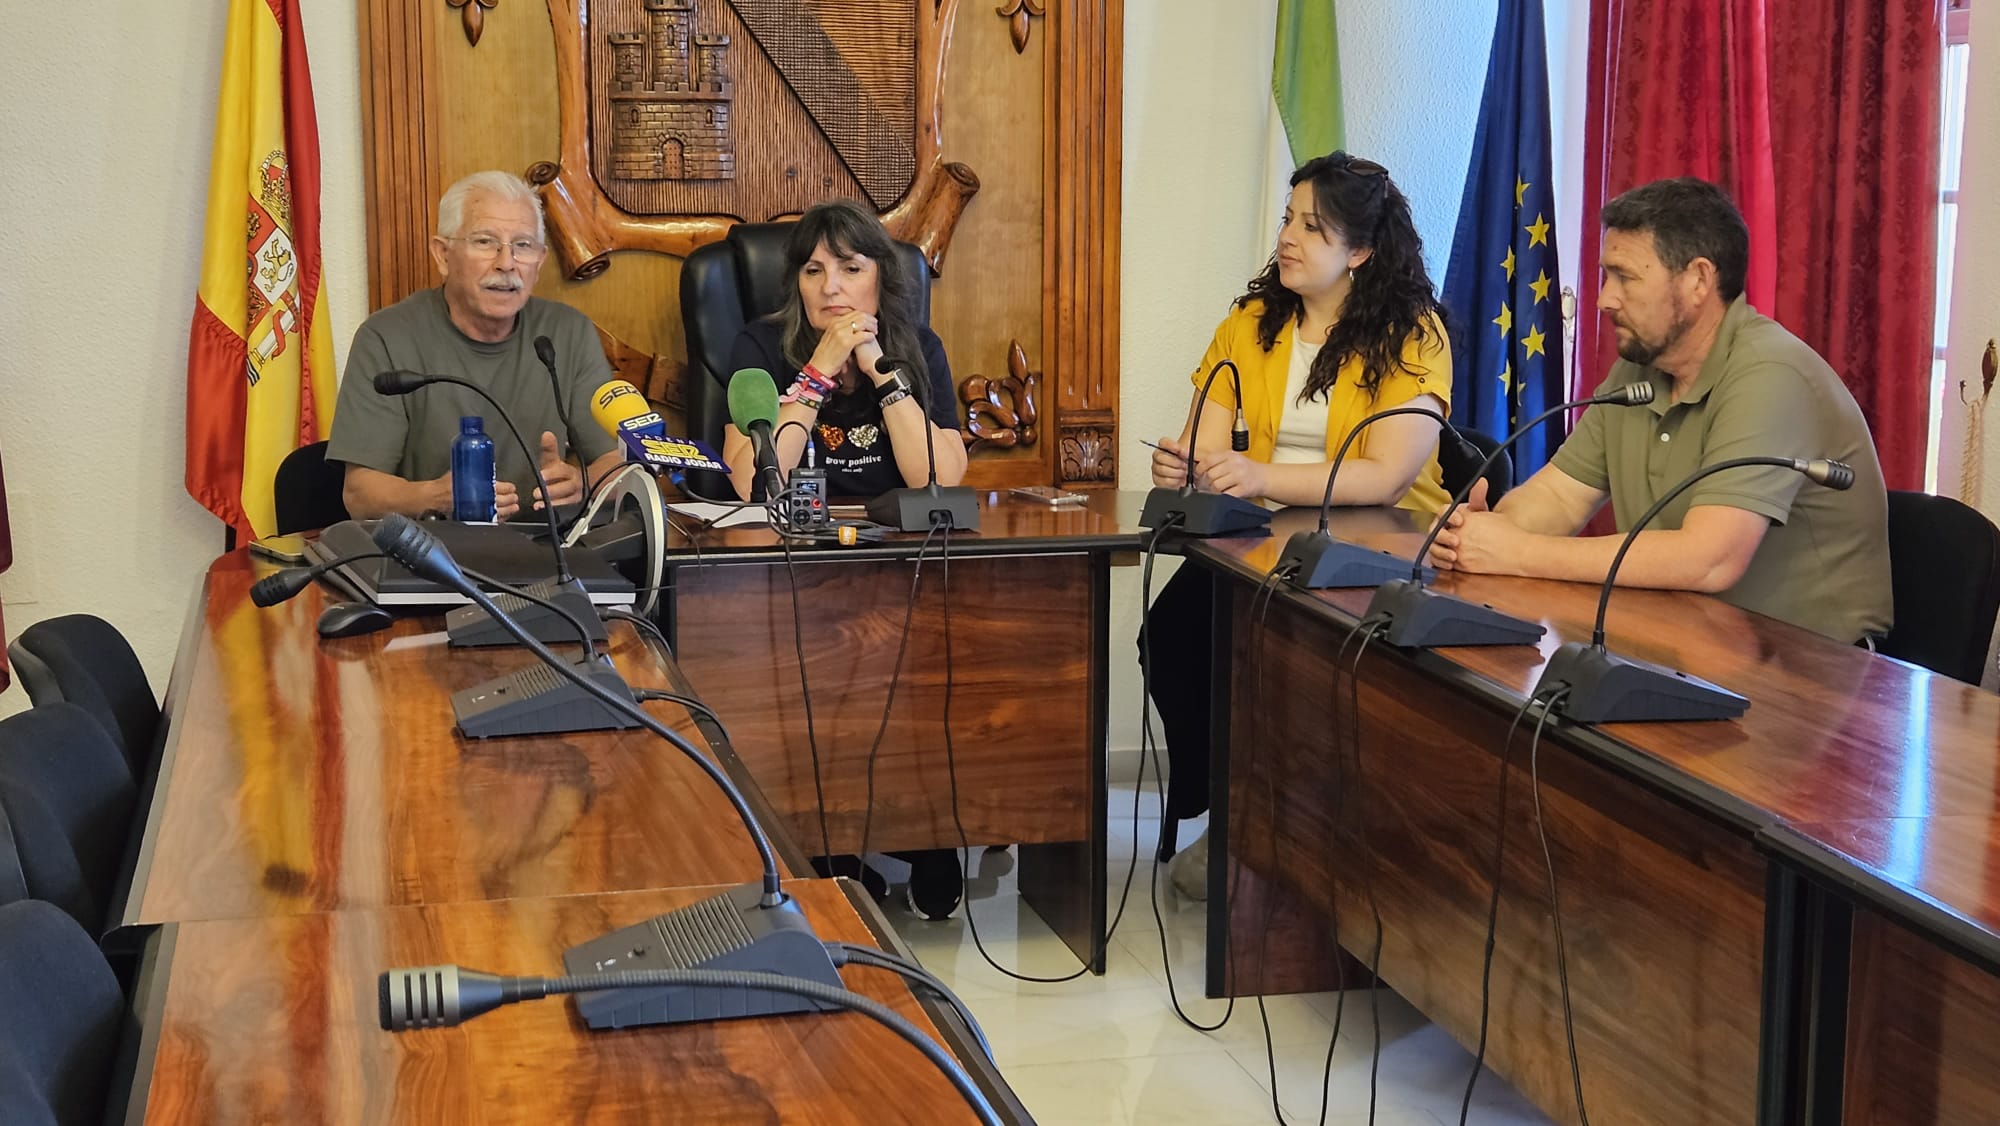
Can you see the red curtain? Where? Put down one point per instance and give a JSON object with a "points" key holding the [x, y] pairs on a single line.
{"points": [[1677, 88], [1855, 110], [1840, 94]]}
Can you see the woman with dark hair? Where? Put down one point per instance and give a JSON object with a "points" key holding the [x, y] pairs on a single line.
{"points": [[846, 351], [854, 304], [1342, 323]]}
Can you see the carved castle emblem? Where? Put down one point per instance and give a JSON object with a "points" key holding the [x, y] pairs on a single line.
{"points": [[750, 108], [670, 99]]}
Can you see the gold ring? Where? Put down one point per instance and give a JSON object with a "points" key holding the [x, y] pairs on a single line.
{"points": [[856, 326]]}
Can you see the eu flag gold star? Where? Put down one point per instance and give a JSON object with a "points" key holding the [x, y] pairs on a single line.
{"points": [[1538, 231], [1520, 189], [1534, 342], [1506, 376], [1505, 320], [1541, 286], [1508, 263]]}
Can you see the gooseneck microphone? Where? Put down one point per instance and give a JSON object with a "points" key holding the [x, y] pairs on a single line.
{"points": [[468, 628], [285, 585], [1420, 618], [1316, 560], [754, 928], [1606, 688], [1197, 513], [753, 409], [920, 510], [545, 351], [447, 996]]}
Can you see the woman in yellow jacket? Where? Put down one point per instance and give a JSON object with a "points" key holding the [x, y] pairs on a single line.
{"points": [[1342, 323]]}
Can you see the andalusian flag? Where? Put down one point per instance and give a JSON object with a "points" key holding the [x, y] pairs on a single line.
{"points": [[1305, 104], [260, 361]]}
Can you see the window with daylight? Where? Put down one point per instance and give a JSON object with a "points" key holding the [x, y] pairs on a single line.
{"points": [[1951, 145]]}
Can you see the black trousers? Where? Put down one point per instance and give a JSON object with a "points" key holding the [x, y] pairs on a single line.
{"points": [[1180, 626]]}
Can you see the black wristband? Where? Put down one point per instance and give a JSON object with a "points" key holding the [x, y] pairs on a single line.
{"points": [[897, 383]]}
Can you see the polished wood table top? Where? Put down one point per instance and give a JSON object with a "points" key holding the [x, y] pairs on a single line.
{"points": [[1106, 522], [1833, 732], [303, 775], [1937, 875], [274, 1019]]}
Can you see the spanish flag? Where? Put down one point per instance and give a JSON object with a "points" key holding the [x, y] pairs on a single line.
{"points": [[260, 365]]}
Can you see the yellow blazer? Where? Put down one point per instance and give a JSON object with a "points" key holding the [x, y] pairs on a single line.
{"points": [[1427, 360]]}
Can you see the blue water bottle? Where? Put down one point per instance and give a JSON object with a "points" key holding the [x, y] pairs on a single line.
{"points": [[472, 472]]}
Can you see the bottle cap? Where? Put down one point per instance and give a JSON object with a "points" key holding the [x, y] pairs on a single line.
{"points": [[471, 424]]}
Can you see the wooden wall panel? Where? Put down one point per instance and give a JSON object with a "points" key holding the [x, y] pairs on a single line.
{"points": [[1033, 259], [991, 291]]}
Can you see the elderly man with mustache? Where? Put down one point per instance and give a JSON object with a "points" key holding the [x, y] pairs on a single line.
{"points": [[479, 325]]}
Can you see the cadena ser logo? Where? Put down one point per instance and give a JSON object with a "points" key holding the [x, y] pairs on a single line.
{"points": [[615, 392], [668, 447], [651, 420]]}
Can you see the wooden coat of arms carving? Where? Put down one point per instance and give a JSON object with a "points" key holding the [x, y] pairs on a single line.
{"points": [[681, 117]]}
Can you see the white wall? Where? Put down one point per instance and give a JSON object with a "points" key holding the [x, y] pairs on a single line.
{"points": [[106, 181]]}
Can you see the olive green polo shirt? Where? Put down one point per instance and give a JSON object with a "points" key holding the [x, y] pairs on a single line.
{"points": [[1824, 563]]}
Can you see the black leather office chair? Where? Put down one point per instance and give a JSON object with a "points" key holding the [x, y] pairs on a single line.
{"points": [[69, 802], [86, 661], [62, 1011], [724, 286], [1458, 463], [1944, 569], [307, 490]]}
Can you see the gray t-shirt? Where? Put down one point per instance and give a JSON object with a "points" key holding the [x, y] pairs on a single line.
{"points": [[411, 435]]}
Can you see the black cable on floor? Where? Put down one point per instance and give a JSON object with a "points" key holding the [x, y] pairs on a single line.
{"points": [[1100, 948], [1149, 748], [1555, 904], [1493, 908]]}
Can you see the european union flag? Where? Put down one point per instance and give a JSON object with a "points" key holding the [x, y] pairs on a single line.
{"points": [[1502, 288]]}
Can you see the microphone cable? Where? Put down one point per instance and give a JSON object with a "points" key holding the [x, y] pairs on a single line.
{"points": [[1493, 902], [805, 693], [895, 678], [1099, 947], [1555, 904], [1369, 629], [1149, 748]]}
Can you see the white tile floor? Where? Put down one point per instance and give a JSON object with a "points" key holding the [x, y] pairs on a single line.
{"points": [[1107, 1050]]}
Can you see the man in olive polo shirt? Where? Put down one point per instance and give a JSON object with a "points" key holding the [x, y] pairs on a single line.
{"points": [[1728, 382]]}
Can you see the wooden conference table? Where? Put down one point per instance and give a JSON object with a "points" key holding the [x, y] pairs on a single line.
{"points": [[1697, 980], [315, 820], [1024, 683]]}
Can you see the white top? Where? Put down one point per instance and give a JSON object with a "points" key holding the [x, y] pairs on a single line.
{"points": [[1302, 428]]}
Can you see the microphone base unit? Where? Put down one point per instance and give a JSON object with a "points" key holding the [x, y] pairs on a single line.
{"points": [[1202, 514], [1320, 562], [1607, 688], [1422, 618], [537, 700], [472, 627], [730, 931], [920, 510]]}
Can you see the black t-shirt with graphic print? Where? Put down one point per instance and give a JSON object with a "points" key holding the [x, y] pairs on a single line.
{"points": [[851, 442]]}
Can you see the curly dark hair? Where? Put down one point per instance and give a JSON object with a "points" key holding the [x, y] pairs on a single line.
{"points": [[1391, 296], [848, 228]]}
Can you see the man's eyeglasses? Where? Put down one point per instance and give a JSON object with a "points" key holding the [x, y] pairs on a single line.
{"points": [[525, 250]]}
